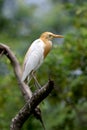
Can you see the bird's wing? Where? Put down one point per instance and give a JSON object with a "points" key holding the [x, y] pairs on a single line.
{"points": [[33, 58]]}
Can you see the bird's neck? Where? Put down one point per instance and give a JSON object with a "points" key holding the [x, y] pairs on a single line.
{"points": [[47, 46]]}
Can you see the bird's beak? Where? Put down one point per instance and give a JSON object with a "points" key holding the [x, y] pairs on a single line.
{"points": [[57, 36]]}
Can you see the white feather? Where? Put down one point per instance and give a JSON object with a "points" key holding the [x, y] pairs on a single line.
{"points": [[33, 58]]}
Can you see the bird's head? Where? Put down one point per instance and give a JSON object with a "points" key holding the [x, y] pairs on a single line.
{"points": [[49, 36]]}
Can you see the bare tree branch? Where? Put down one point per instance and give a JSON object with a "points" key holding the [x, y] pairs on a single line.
{"points": [[24, 88], [31, 101], [28, 109]]}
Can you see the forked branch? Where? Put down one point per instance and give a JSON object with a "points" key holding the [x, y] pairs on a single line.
{"points": [[29, 107], [31, 100]]}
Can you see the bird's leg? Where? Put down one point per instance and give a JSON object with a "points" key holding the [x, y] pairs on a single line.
{"points": [[36, 81]]}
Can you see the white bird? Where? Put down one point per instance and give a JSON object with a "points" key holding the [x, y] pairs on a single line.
{"points": [[36, 55]]}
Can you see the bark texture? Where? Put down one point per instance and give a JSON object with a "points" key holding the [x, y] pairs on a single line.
{"points": [[32, 100]]}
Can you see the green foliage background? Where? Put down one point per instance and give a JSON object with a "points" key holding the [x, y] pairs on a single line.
{"points": [[20, 24]]}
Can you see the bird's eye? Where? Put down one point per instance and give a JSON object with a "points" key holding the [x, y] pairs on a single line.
{"points": [[50, 36]]}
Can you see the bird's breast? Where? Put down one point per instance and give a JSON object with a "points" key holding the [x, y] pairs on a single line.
{"points": [[47, 48]]}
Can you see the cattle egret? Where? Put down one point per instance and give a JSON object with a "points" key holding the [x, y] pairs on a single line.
{"points": [[36, 55]]}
